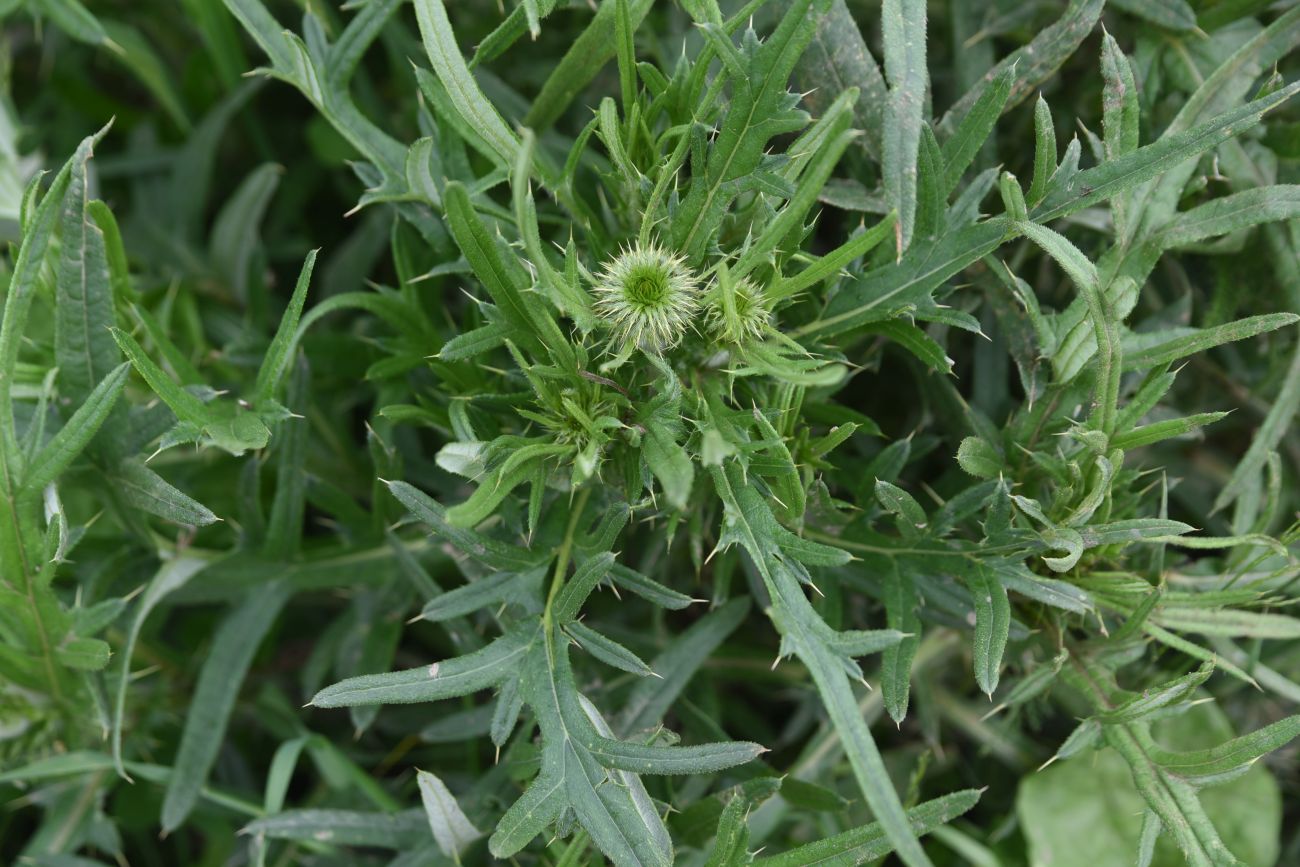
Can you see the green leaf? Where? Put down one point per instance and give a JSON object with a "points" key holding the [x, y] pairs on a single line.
{"points": [[24, 279], [146, 490], [74, 19], [490, 552], [392, 831], [1089, 812], [870, 842], [660, 759], [1034, 62], [961, 148], [279, 354], [669, 463], [223, 672], [607, 650], [1119, 100], [837, 59], [591, 50], [1171, 350], [1228, 756], [750, 522], [759, 110], [173, 575], [992, 626], [1173, 148], [449, 678], [83, 654], [1157, 698], [903, 34], [84, 351], [650, 699], [501, 277], [64, 447], [1147, 434], [978, 458], [585, 579], [450, 67], [1173, 15], [926, 265], [451, 829], [235, 235]]}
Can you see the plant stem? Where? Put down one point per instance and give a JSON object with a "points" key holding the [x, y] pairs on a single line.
{"points": [[562, 565]]}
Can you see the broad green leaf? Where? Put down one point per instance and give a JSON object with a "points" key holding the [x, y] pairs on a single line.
{"points": [[978, 458]]}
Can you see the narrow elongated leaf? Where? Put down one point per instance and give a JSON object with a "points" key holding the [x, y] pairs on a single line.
{"points": [[607, 650], [903, 29], [1233, 754], [870, 842], [461, 675], [280, 353], [650, 699], [451, 829], [450, 67], [84, 350], [838, 58], [992, 625], [1033, 62], [64, 447], [393, 831], [659, 759], [223, 673]]}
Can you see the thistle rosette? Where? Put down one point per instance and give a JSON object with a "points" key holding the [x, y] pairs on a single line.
{"points": [[647, 296]]}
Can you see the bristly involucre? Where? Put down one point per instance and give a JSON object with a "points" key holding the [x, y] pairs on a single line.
{"points": [[738, 313], [647, 295]]}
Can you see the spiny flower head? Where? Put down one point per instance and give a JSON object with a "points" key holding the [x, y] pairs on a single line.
{"points": [[737, 311], [647, 296]]}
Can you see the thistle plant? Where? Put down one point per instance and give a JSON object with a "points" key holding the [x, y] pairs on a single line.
{"points": [[712, 436]]}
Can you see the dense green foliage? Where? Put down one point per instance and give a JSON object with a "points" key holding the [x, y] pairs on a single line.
{"points": [[700, 432]]}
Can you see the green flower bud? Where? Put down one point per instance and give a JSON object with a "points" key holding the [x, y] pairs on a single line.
{"points": [[647, 296]]}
